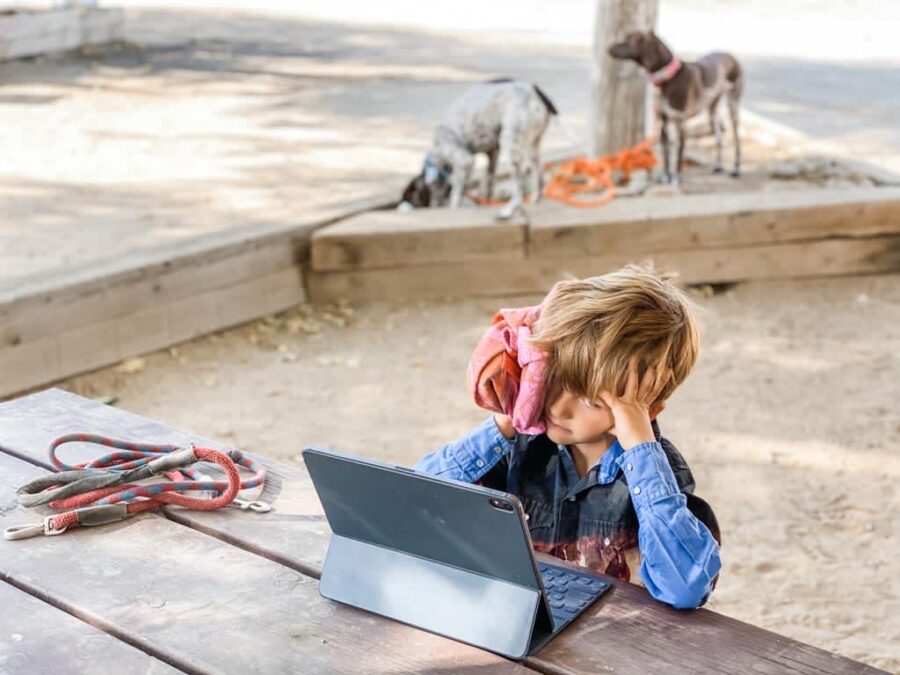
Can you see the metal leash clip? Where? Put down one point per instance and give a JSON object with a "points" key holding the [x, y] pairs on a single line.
{"points": [[256, 505], [35, 529]]}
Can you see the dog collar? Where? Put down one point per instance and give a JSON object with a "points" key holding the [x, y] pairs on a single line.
{"points": [[432, 171], [666, 73]]}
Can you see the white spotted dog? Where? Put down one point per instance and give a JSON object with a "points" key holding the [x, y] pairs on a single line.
{"points": [[505, 119], [687, 89]]}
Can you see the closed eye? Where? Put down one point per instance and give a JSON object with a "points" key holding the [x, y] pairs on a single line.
{"points": [[591, 404]]}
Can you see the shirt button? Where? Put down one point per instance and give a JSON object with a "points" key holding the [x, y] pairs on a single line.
{"points": [[637, 490], [572, 498], [479, 463], [629, 467], [498, 449]]}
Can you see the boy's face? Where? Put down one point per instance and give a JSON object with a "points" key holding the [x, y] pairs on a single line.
{"points": [[576, 420]]}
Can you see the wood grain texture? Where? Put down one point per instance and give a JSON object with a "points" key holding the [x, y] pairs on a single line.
{"points": [[36, 637], [159, 324], [295, 533], [207, 607], [626, 632], [28, 33], [619, 90], [813, 258], [419, 237], [690, 222]]}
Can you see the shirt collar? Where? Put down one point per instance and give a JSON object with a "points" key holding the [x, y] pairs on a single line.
{"points": [[603, 472], [610, 463]]}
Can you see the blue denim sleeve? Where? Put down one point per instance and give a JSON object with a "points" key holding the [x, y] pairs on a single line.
{"points": [[469, 458], [679, 556]]}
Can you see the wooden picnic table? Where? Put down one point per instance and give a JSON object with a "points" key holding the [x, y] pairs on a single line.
{"points": [[231, 591]]}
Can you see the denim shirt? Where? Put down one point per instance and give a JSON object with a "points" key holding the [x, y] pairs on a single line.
{"points": [[635, 508]]}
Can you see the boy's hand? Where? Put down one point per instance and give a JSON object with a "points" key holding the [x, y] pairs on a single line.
{"points": [[505, 425], [634, 410]]}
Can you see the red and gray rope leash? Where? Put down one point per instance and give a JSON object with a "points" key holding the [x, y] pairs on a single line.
{"points": [[104, 490]]}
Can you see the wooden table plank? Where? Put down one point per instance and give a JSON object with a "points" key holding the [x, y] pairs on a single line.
{"points": [[295, 533], [208, 607], [626, 632], [38, 638], [630, 632]]}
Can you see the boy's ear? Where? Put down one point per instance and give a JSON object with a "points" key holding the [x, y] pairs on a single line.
{"points": [[657, 408]]}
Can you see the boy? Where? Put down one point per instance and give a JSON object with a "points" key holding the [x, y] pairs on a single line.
{"points": [[601, 487]]}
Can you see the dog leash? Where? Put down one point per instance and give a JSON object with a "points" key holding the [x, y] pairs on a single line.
{"points": [[582, 175], [104, 490]]}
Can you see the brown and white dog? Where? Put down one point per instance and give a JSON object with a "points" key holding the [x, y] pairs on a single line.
{"points": [[687, 89]]}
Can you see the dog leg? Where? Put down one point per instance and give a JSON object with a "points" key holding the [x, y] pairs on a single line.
{"points": [[733, 112], [679, 163], [462, 168], [664, 140], [515, 203], [537, 174], [491, 172], [717, 132], [513, 146]]}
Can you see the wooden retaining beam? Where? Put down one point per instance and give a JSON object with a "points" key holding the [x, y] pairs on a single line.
{"points": [[97, 318], [83, 319], [706, 238]]}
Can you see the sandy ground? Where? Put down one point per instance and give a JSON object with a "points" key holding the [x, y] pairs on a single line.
{"points": [[789, 423]]}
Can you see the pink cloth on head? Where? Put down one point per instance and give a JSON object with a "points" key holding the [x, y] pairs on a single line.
{"points": [[506, 373]]}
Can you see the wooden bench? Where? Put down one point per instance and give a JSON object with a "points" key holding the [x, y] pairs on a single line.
{"points": [[244, 598]]}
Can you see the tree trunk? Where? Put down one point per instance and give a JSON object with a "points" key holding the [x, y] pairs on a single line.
{"points": [[620, 95]]}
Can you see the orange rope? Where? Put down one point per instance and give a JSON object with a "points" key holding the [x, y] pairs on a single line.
{"points": [[579, 175]]}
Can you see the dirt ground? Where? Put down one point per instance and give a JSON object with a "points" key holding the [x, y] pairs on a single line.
{"points": [[788, 422]]}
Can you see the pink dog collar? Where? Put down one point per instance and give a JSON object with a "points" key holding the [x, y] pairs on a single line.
{"points": [[666, 73]]}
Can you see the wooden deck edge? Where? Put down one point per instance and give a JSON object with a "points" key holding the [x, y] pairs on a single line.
{"points": [[817, 258], [59, 355], [655, 224], [85, 319], [34, 32], [76, 281]]}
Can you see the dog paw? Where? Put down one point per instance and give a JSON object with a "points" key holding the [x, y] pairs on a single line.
{"points": [[510, 212], [735, 174], [718, 170]]}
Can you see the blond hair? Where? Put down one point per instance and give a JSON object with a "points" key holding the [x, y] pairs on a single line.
{"points": [[591, 329]]}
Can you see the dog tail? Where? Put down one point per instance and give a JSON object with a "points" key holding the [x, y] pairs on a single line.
{"points": [[545, 100]]}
